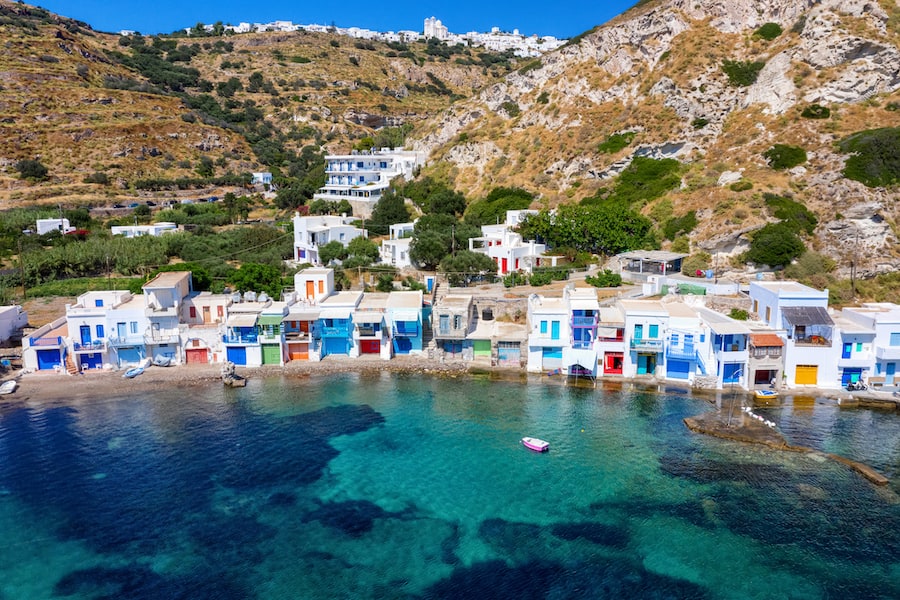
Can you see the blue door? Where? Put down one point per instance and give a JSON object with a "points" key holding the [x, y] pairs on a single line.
{"points": [[889, 371], [850, 375], [48, 359], [130, 356], [848, 347], [554, 330], [85, 331], [402, 345], [678, 369], [336, 346], [91, 361], [237, 355]]}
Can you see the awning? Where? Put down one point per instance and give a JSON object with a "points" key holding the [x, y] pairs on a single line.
{"points": [[270, 319], [611, 315], [335, 313], [728, 327], [607, 332], [405, 316], [760, 340], [310, 314], [368, 317], [806, 315], [241, 320], [584, 304]]}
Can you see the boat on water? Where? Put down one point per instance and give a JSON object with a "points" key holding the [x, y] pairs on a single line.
{"points": [[8, 387], [765, 394], [133, 372], [535, 444]]}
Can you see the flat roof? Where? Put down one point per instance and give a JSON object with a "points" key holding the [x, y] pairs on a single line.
{"points": [[787, 286], [373, 301], [405, 300], [850, 326], [455, 300], [642, 305], [721, 324], [680, 309], [167, 279], [652, 255]]}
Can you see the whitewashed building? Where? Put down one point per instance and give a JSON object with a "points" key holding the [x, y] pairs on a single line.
{"points": [[394, 250], [884, 319], [312, 232]]}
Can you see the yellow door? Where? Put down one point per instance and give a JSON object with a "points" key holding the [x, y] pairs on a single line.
{"points": [[807, 375]]}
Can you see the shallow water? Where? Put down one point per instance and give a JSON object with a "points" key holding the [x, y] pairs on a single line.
{"points": [[402, 486]]}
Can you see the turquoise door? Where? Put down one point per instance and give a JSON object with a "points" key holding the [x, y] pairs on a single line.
{"points": [[554, 330], [889, 371]]}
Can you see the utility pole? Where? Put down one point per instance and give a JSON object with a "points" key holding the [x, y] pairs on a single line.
{"points": [[22, 271]]}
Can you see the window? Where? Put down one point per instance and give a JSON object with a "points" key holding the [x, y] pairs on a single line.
{"points": [[638, 332], [654, 332], [362, 179], [457, 321], [193, 311], [98, 302], [360, 165], [544, 327], [895, 338], [382, 165], [859, 346], [220, 310], [756, 306], [674, 339], [100, 331], [768, 314], [133, 327]]}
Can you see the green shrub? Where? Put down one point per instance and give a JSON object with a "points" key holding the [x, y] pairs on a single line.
{"points": [[775, 245], [782, 156], [97, 177], [741, 186], [699, 123], [769, 31], [604, 279], [511, 108], [31, 169], [530, 66], [543, 98], [875, 156], [646, 179], [539, 279], [696, 263], [791, 212], [739, 314], [513, 279], [740, 73], [616, 142], [816, 111], [683, 224]]}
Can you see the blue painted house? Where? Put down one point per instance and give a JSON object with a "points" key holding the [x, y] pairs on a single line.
{"points": [[404, 314], [334, 328]]}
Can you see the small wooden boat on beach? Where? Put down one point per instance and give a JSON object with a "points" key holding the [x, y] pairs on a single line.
{"points": [[8, 387], [765, 394], [535, 444]]}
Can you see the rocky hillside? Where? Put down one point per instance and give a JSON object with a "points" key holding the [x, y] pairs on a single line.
{"points": [[714, 84], [103, 113]]}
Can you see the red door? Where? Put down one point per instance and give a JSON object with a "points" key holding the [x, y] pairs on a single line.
{"points": [[369, 346], [197, 356]]}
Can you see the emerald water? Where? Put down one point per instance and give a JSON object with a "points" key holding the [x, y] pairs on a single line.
{"points": [[407, 486]]}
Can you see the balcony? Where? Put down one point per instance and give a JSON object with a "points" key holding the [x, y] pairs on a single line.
{"points": [[584, 321], [163, 337], [335, 331], [767, 353], [296, 336], [155, 312], [681, 353], [642, 345], [406, 329], [241, 338], [887, 352], [858, 361], [813, 340], [94, 346], [129, 341], [46, 342]]}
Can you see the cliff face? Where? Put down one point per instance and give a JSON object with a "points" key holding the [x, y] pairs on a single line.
{"points": [[657, 72]]}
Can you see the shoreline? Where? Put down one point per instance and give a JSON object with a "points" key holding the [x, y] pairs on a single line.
{"points": [[60, 387]]}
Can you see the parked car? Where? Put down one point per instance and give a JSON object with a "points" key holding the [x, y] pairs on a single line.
{"points": [[212, 199], [150, 203], [118, 206], [133, 205]]}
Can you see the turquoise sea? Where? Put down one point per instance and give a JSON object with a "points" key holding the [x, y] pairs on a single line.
{"points": [[410, 486]]}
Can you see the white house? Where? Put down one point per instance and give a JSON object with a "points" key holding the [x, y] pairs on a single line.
{"points": [[395, 250], [728, 352], [800, 314], [261, 178], [549, 332], [362, 176], [884, 319], [94, 319], [686, 342], [164, 297], [507, 248], [155, 229], [371, 334], [12, 319], [312, 232], [48, 225], [646, 323], [313, 285]]}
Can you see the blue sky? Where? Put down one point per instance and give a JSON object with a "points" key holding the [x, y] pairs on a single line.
{"points": [[562, 18]]}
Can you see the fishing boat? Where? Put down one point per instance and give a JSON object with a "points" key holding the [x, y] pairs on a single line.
{"points": [[133, 372], [162, 361], [8, 387], [765, 394], [535, 444]]}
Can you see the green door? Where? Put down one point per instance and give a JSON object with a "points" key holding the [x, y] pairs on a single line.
{"points": [[481, 347], [271, 354]]}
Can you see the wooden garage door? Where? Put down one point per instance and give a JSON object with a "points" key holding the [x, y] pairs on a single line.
{"points": [[298, 351], [196, 356], [369, 346], [807, 375]]}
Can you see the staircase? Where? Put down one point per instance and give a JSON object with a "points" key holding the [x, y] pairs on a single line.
{"points": [[71, 368]]}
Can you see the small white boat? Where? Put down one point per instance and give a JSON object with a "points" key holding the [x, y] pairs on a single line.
{"points": [[8, 387], [133, 372], [765, 394], [162, 361], [535, 444]]}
